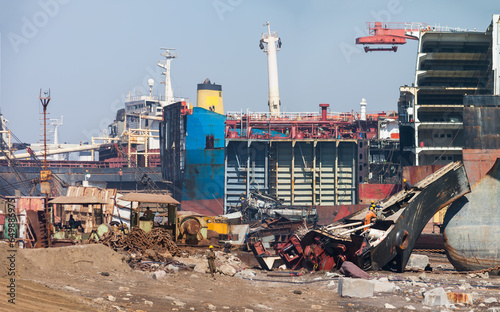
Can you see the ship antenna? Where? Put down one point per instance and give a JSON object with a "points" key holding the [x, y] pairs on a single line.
{"points": [[169, 55]]}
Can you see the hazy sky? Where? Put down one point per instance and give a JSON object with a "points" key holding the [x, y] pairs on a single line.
{"points": [[91, 53]]}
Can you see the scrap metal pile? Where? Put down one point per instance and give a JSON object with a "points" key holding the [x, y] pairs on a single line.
{"points": [[147, 251], [260, 206], [385, 241]]}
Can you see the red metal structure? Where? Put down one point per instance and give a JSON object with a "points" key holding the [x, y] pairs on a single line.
{"points": [[391, 34], [299, 126]]}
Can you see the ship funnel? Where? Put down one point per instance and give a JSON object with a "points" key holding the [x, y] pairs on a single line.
{"points": [[209, 96], [270, 44], [363, 110]]}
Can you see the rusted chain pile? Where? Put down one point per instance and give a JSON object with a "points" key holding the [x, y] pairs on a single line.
{"points": [[147, 250], [139, 241]]}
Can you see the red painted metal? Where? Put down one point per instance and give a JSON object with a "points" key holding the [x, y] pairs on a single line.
{"points": [[307, 126], [324, 112], [206, 207], [376, 192], [413, 174], [478, 162], [30, 203], [292, 253], [329, 214], [385, 33]]}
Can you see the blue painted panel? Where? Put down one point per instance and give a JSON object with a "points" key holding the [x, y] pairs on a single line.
{"points": [[204, 170]]}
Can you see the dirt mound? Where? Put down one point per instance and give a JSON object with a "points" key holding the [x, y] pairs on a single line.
{"points": [[4, 262], [78, 259]]}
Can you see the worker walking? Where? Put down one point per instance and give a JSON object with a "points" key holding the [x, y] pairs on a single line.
{"points": [[211, 260]]}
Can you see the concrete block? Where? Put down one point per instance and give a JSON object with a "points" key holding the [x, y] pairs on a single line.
{"points": [[384, 286], [358, 288], [417, 262], [435, 297]]}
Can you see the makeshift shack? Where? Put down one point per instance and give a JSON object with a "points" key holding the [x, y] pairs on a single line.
{"points": [[158, 203]]}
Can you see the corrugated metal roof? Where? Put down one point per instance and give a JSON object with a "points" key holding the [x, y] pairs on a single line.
{"points": [[149, 198], [78, 200]]}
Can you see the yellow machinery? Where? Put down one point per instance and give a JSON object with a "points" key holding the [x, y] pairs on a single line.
{"points": [[219, 225], [210, 96]]}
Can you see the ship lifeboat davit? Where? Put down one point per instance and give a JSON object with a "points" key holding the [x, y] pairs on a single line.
{"points": [[472, 225]]}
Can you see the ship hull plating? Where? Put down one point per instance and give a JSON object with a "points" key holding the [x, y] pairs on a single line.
{"points": [[471, 231]]}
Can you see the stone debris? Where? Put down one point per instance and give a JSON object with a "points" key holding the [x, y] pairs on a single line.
{"points": [[316, 307], [263, 307], [211, 307], [227, 269], [99, 300], [490, 300], [121, 288], [159, 274], [383, 285], [417, 262], [148, 303], [111, 298], [358, 288], [493, 309], [435, 297], [246, 274], [465, 286], [410, 307], [389, 306], [179, 303]]}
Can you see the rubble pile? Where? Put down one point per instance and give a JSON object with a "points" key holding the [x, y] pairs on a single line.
{"points": [[228, 264], [151, 251]]}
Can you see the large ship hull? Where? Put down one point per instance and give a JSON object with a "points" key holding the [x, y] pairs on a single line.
{"points": [[471, 225]]}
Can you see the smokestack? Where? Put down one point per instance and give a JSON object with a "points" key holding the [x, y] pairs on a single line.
{"points": [[324, 108], [363, 110]]}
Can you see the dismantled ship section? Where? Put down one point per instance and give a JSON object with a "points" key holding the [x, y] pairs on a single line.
{"points": [[449, 66], [309, 159]]}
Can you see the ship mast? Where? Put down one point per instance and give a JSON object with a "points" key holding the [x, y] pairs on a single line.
{"points": [[169, 54], [272, 45]]}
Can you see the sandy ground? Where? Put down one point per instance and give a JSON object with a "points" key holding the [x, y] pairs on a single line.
{"points": [[70, 279]]}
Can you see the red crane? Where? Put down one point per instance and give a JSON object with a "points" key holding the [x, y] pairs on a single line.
{"points": [[391, 34]]}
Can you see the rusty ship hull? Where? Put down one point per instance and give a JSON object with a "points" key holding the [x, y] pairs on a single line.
{"points": [[471, 231]]}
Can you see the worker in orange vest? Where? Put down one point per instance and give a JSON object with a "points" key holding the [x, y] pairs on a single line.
{"points": [[370, 215]]}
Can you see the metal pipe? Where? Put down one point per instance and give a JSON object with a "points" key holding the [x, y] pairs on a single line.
{"points": [[356, 229], [344, 226]]}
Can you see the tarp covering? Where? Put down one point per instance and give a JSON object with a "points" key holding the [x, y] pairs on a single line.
{"points": [[149, 198]]}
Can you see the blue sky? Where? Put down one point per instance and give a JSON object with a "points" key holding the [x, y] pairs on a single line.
{"points": [[91, 53]]}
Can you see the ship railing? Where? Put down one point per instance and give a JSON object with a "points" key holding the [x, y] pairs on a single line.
{"points": [[141, 97], [305, 116]]}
